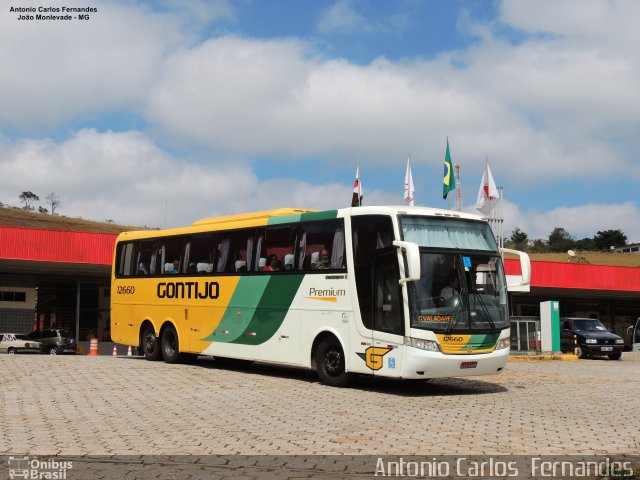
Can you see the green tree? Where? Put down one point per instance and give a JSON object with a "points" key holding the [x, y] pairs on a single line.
{"points": [[560, 240], [586, 244], [28, 198], [519, 239], [609, 238], [539, 246]]}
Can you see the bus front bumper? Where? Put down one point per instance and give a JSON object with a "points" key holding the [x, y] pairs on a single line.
{"points": [[424, 364]]}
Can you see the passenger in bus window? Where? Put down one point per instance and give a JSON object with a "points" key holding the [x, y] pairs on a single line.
{"points": [[273, 265], [173, 267], [324, 262]]}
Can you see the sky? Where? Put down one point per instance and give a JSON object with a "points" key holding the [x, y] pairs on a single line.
{"points": [[158, 113]]}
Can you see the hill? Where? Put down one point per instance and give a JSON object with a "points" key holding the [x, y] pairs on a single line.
{"points": [[15, 217]]}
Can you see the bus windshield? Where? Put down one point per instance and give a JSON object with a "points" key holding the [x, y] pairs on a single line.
{"points": [[437, 232], [459, 292]]}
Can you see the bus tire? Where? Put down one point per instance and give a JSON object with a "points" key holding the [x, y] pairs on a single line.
{"points": [[150, 344], [170, 345], [330, 363]]}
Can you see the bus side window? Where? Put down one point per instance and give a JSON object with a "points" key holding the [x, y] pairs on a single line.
{"points": [[235, 251], [127, 255], [145, 256], [200, 251], [171, 254], [314, 238], [274, 249]]}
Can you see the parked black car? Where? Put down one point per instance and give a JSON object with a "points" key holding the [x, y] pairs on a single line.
{"points": [[589, 337], [54, 340]]}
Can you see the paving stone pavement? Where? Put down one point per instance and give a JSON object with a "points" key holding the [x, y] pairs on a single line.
{"points": [[75, 405]]}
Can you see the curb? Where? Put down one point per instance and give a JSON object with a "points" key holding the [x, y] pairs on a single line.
{"points": [[549, 356]]}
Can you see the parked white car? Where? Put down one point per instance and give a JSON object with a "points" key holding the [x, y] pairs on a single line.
{"points": [[17, 342]]}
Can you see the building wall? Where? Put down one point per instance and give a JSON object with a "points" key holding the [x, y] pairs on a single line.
{"points": [[17, 316]]}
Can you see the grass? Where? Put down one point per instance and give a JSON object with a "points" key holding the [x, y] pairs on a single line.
{"points": [[15, 217]]}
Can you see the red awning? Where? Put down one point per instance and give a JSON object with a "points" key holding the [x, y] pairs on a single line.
{"points": [[56, 246], [578, 276]]}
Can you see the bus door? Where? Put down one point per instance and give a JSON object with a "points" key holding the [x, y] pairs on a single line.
{"points": [[388, 317]]}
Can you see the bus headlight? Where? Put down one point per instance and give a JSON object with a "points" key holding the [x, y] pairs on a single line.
{"points": [[428, 345], [503, 343]]}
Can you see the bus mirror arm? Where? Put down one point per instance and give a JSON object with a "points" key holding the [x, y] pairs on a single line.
{"points": [[412, 255], [525, 266]]}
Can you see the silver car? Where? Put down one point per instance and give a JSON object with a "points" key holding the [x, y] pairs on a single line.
{"points": [[16, 342]]}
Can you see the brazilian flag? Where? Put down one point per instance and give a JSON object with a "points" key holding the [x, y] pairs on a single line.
{"points": [[449, 180]]}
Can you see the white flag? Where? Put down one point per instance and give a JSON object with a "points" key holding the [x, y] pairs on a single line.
{"points": [[409, 191], [488, 195]]}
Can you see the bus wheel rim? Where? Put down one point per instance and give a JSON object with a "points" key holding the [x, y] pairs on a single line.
{"points": [[333, 362], [149, 341]]}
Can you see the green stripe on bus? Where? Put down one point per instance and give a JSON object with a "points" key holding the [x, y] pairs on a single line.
{"points": [[303, 217], [295, 218], [241, 309], [272, 309], [481, 341], [324, 215]]}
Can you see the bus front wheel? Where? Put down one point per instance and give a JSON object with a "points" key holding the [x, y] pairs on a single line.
{"points": [[150, 344], [170, 345], [331, 365]]}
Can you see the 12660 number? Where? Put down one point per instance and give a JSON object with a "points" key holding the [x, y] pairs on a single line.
{"points": [[126, 289]]}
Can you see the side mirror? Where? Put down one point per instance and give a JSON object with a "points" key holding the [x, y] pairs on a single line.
{"points": [[525, 267], [412, 254]]}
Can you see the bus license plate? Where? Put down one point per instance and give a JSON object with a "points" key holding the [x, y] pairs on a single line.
{"points": [[468, 365], [606, 349]]}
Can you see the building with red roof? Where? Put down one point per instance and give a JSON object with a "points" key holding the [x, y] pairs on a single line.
{"points": [[51, 278]]}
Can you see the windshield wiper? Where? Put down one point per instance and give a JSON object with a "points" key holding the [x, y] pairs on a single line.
{"points": [[486, 311], [461, 296]]}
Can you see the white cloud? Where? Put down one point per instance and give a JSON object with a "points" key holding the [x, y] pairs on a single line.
{"points": [[537, 109], [127, 178], [560, 104], [549, 107], [52, 71], [342, 17]]}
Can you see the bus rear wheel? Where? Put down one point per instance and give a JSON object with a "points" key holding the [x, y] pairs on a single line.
{"points": [[170, 345], [150, 344], [331, 365]]}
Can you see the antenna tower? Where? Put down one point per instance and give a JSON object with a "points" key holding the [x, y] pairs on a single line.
{"points": [[458, 189]]}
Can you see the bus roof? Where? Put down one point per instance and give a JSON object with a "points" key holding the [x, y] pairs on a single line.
{"points": [[243, 217], [293, 215], [410, 210]]}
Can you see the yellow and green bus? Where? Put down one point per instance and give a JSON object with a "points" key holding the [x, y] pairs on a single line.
{"points": [[407, 292]]}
